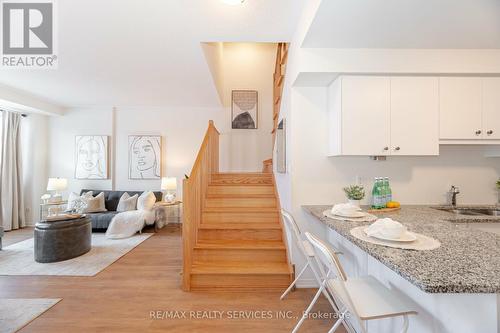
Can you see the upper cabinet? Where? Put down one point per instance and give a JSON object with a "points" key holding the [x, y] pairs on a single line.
{"points": [[491, 108], [371, 115], [414, 116], [469, 109], [365, 115], [460, 108]]}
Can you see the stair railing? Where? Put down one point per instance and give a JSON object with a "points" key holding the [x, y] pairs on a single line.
{"points": [[194, 193]]}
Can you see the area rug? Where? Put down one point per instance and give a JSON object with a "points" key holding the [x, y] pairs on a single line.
{"points": [[18, 258], [18, 312]]}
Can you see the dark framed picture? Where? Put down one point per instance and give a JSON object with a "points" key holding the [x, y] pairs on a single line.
{"points": [[244, 109]]}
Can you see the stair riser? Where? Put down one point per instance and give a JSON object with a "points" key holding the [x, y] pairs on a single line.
{"points": [[240, 203], [260, 179], [235, 234], [240, 282], [239, 255], [240, 190], [253, 217]]}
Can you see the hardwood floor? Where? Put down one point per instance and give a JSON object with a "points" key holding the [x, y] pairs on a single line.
{"points": [[11, 237], [123, 297]]}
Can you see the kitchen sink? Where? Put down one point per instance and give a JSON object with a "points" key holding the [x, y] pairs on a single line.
{"points": [[472, 211]]}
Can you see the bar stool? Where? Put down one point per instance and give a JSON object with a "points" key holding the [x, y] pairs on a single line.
{"points": [[307, 252], [360, 299]]}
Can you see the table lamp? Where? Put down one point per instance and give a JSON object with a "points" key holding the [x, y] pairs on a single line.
{"points": [[57, 185], [169, 184]]}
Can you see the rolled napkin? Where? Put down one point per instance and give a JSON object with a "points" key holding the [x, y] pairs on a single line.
{"points": [[345, 209], [386, 227]]}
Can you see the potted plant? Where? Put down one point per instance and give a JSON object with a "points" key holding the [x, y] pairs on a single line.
{"points": [[355, 193]]}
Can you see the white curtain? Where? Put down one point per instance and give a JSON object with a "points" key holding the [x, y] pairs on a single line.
{"points": [[11, 196]]}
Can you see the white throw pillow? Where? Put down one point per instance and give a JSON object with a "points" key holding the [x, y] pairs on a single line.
{"points": [[73, 198], [127, 202], [146, 201], [95, 204]]}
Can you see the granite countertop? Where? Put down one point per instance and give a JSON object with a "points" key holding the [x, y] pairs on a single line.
{"points": [[468, 260]]}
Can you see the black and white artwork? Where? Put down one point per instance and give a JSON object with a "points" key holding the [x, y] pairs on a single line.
{"points": [[144, 152], [91, 157], [244, 109]]}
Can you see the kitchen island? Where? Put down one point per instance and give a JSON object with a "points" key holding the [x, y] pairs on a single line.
{"points": [[455, 288]]}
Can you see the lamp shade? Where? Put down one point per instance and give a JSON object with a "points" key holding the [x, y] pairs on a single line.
{"points": [[57, 184], [169, 183]]}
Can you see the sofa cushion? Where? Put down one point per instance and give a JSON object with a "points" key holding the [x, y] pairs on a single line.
{"points": [[101, 220], [112, 198]]}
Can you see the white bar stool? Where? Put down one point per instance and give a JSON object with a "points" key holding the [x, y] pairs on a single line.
{"points": [[307, 252], [360, 299]]}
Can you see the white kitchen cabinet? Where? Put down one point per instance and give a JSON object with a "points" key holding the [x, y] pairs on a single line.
{"points": [[460, 108], [378, 116], [365, 115], [491, 108], [414, 116]]}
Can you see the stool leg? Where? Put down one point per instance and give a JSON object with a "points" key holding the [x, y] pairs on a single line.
{"points": [[294, 282]]}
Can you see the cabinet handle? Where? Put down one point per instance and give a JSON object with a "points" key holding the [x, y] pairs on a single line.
{"points": [[478, 132], [490, 132], [386, 148], [397, 148]]}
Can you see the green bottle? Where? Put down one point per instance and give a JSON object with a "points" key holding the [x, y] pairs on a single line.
{"points": [[388, 191], [377, 194], [383, 193]]}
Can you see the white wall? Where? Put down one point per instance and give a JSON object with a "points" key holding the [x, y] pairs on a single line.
{"points": [[182, 131], [249, 66]]}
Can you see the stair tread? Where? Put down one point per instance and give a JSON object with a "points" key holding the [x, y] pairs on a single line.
{"points": [[241, 226], [240, 244], [240, 268]]}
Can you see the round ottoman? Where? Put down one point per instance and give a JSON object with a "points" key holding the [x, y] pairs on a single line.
{"points": [[62, 240]]}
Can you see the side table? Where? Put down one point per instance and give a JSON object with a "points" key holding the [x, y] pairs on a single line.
{"points": [[167, 212], [44, 207]]}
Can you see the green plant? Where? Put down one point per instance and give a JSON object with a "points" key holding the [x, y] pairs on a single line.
{"points": [[498, 184], [354, 192]]}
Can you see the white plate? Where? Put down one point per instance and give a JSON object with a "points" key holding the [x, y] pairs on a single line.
{"points": [[406, 237], [354, 214]]}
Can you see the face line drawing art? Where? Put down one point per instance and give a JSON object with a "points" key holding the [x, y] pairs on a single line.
{"points": [[91, 157], [144, 157]]}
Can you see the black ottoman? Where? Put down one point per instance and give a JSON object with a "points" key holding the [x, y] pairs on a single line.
{"points": [[62, 240]]}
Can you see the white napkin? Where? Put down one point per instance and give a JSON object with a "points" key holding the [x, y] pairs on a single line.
{"points": [[386, 227], [345, 209]]}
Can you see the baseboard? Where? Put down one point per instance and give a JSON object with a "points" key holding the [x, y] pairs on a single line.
{"points": [[307, 283]]}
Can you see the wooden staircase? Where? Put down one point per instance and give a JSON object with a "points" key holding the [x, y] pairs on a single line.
{"points": [[233, 236]]}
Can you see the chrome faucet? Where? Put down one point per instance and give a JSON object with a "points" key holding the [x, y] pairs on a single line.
{"points": [[454, 192]]}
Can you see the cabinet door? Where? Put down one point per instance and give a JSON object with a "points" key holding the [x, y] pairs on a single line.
{"points": [[414, 116], [491, 108], [460, 108], [365, 115]]}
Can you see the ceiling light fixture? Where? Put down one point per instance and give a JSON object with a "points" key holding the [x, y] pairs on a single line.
{"points": [[233, 2]]}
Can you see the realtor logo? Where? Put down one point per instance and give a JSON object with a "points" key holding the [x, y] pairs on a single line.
{"points": [[28, 34]]}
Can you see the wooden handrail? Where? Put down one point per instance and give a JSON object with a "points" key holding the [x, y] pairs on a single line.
{"points": [[194, 190], [278, 78]]}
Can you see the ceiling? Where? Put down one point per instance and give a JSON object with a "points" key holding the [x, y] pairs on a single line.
{"points": [[437, 24], [147, 52]]}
